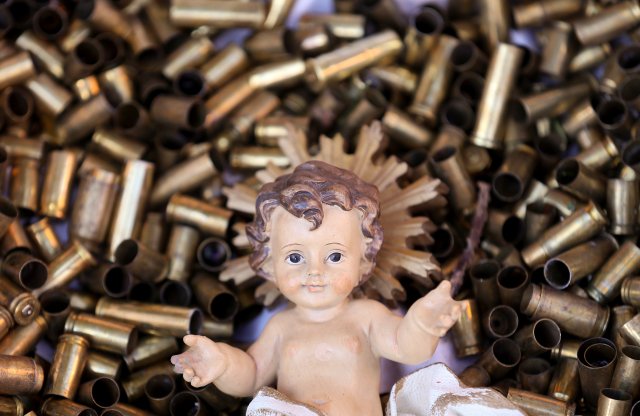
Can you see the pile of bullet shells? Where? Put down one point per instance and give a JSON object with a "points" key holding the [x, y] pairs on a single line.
{"points": [[123, 121]]}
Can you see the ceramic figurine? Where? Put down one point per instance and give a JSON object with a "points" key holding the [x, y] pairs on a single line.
{"points": [[315, 235]]}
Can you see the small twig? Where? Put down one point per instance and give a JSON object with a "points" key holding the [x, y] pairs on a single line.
{"points": [[477, 225]]}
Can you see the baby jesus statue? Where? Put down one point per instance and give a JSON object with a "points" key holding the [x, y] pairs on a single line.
{"points": [[316, 235]]}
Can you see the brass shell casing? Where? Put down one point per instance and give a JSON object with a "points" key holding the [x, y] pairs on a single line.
{"points": [[58, 180], [565, 384], [626, 376], [620, 315], [226, 64], [24, 307], [608, 23], [92, 211], [55, 406], [404, 130], [500, 321], [534, 403], [270, 129], [190, 54], [630, 331], [131, 204], [501, 357], [150, 349], [100, 364], [101, 392], [206, 217], [20, 375], [103, 334], [142, 262], [24, 184], [434, 81], [539, 337], [623, 198], [540, 12], [116, 146], [68, 363], [82, 119], [214, 297], [448, 164], [581, 225], [50, 97], [22, 339], [483, 275], [596, 363], [45, 239], [183, 177], [630, 291], [219, 14], [606, 283], [578, 262], [153, 233], [340, 63], [56, 307], [25, 270], [500, 80], [152, 318], [70, 263], [133, 386], [257, 157], [535, 375], [16, 68], [15, 238], [576, 315], [614, 402], [181, 251], [512, 179], [467, 333], [13, 406], [159, 391]]}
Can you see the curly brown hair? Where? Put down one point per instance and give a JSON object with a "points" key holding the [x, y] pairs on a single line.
{"points": [[302, 193]]}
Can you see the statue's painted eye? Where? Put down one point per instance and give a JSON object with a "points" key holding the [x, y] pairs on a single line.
{"points": [[294, 258], [335, 257]]}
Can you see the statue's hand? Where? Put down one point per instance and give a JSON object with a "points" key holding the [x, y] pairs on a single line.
{"points": [[202, 363], [436, 312]]}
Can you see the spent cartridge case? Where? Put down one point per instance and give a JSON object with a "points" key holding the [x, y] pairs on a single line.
{"points": [[184, 177], [535, 375], [45, 240], [93, 209], [601, 154], [173, 292], [219, 14], [152, 318], [475, 376], [80, 120], [101, 392], [142, 262], [581, 181], [12, 406], [576, 315], [186, 401], [606, 283], [58, 180], [540, 12], [630, 291], [51, 98], [500, 358], [538, 217], [133, 386], [20, 375], [15, 238], [24, 307], [581, 225], [16, 68], [55, 406], [568, 348], [434, 82], [102, 333], [116, 146], [206, 217], [229, 62], [101, 364], [6, 321], [626, 376], [447, 162], [558, 49], [68, 363], [541, 336], [565, 384], [181, 251], [620, 315], [630, 331], [153, 233], [56, 307], [137, 178], [255, 157], [501, 321], [500, 80], [484, 274], [467, 333], [213, 254], [511, 180], [614, 402], [573, 265], [24, 184], [214, 297], [159, 390], [596, 363], [150, 349], [22, 339], [512, 281], [109, 279], [126, 410], [340, 63], [25, 270], [132, 120], [190, 54], [534, 403], [69, 264], [607, 24]]}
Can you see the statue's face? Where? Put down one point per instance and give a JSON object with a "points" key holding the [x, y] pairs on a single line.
{"points": [[317, 269]]}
